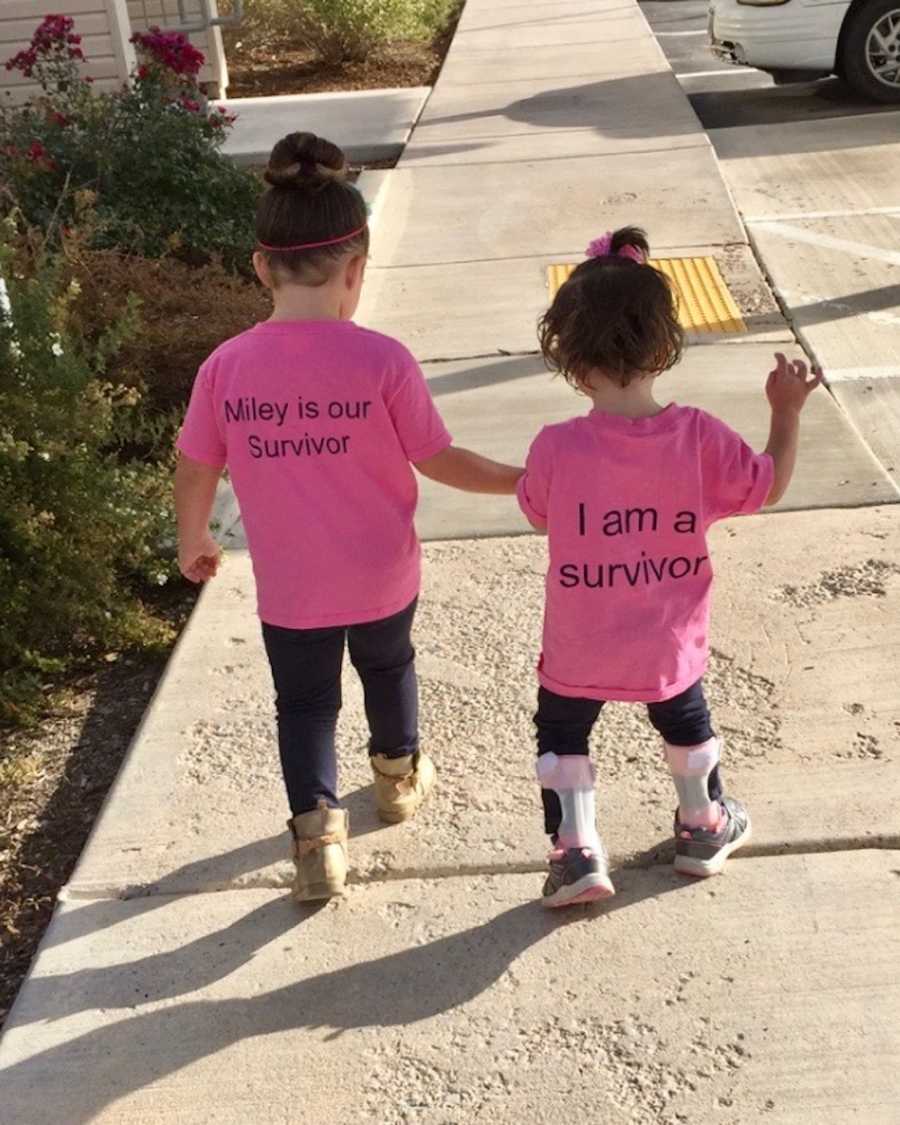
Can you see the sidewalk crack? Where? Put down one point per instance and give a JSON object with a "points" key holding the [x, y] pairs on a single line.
{"points": [[660, 856]]}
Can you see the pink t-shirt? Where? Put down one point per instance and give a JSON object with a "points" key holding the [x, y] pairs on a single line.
{"points": [[627, 504], [317, 422]]}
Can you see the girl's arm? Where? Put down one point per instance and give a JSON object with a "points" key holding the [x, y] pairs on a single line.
{"points": [[787, 389], [195, 491], [461, 468]]}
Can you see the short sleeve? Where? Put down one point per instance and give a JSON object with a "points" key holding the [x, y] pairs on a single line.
{"points": [[533, 489], [736, 480], [418, 424], [200, 437]]}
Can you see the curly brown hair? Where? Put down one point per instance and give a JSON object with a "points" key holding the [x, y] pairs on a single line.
{"points": [[614, 316]]}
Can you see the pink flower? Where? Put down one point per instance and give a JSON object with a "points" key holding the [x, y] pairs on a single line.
{"points": [[53, 39], [222, 119], [54, 31], [25, 61], [171, 50], [37, 154]]}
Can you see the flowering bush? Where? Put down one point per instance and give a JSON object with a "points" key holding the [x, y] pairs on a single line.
{"points": [[53, 48], [83, 521], [168, 51], [149, 155]]}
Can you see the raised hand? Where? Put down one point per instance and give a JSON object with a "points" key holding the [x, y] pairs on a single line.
{"points": [[790, 384]]}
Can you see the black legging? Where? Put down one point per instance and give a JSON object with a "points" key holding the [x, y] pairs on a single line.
{"points": [[564, 726], [306, 668]]}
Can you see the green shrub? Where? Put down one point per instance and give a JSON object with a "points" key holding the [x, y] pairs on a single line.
{"points": [[346, 30], [183, 313], [83, 520], [148, 157]]}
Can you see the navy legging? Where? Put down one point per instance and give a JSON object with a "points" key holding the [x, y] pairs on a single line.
{"points": [[306, 668], [564, 726]]}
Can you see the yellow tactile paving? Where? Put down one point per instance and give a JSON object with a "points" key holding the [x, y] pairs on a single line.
{"points": [[704, 301]]}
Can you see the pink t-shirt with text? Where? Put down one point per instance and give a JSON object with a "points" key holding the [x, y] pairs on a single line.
{"points": [[627, 504], [317, 422]]}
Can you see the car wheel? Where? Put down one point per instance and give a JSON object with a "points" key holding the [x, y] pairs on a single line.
{"points": [[870, 53]]}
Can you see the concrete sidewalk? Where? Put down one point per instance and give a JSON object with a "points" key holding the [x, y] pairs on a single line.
{"points": [[822, 202], [439, 992], [178, 983]]}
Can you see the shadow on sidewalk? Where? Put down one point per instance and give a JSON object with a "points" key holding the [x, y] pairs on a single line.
{"points": [[397, 990], [230, 870], [600, 106], [504, 370]]}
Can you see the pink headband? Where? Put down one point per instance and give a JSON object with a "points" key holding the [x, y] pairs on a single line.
{"points": [[315, 245], [602, 248]]}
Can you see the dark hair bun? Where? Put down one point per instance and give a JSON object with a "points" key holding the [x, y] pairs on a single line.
{"points": [[305, 162], [631, 236]]}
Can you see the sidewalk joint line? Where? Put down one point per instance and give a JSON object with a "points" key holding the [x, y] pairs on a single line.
{"points": [[525, 132], [549, 258], [597, 76], [703, 142], [640, 35], [788, 216], [646, 861], [858, 374]]}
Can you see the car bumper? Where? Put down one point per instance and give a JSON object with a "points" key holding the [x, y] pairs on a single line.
{"points": [[791, 36]]}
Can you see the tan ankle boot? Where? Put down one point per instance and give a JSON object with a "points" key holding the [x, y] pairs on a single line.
{"points": [[320, 852], [401, 784]]}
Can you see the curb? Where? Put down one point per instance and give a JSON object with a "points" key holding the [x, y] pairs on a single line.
{"points": [[369, 125]]}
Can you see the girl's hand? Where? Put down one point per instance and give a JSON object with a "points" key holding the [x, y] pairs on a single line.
{"points": [[789, 385], [199, 561]]}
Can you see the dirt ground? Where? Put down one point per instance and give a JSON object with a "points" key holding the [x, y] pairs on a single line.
{"points": [[259, 68], [261, 72], [53, 780]]}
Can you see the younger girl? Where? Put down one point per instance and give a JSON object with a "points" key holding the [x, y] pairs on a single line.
{"points": [[627, 494], [318, 421]]}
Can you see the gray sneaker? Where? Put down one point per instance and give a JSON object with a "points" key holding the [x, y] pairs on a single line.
{"points": [[576, 875], [701, 851]]}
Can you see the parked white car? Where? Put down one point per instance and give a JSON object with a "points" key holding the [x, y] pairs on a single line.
{"points": [[857, 39]]}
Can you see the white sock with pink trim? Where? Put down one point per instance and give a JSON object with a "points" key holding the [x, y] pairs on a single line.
{"points": [[690, 767], [572, 778]]}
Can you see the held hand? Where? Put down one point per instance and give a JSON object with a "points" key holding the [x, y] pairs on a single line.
{"points": [[199, 561], [789, 385]]}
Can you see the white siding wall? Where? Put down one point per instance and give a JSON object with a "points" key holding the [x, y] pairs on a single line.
{"points": [[106, 26]]}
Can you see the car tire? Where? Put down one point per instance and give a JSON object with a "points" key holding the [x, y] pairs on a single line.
{"points": [[859, 55]]}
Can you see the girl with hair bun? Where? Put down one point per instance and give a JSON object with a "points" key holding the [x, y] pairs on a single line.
{"points": [[626, 495], [318, 422]]}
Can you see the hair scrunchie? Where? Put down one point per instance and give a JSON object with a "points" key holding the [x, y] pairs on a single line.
{"points": [[602, 248]]}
